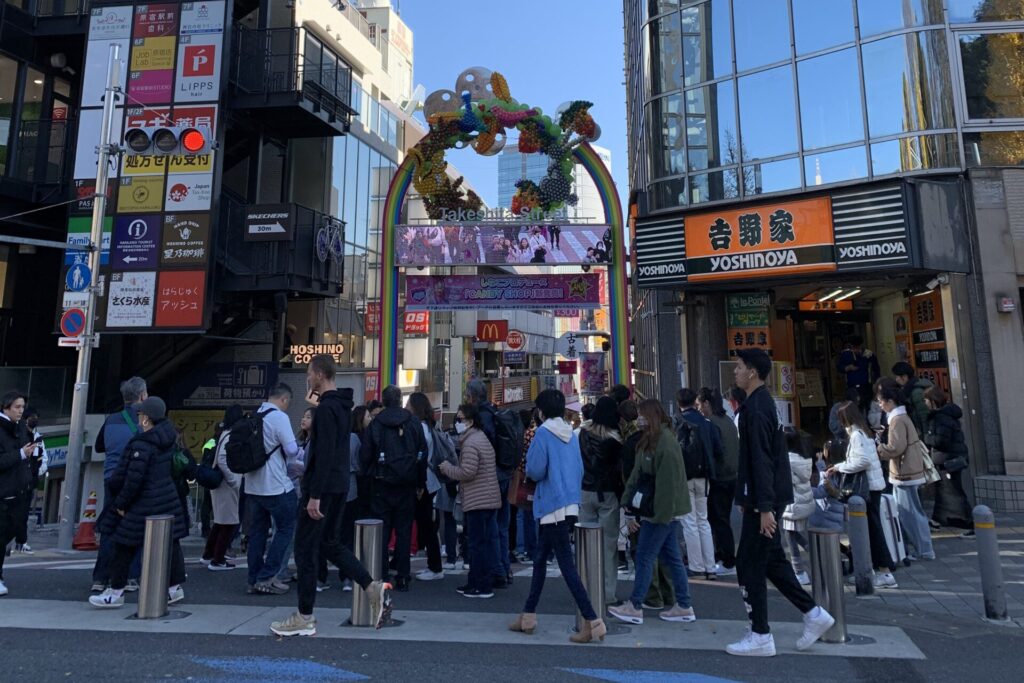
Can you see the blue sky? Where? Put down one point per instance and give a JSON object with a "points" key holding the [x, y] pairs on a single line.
{"points": [[549, 51]]}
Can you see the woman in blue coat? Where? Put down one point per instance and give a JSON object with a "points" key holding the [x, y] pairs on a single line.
{"points": [[143, 486]]}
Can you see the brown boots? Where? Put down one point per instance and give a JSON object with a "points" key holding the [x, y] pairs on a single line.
{"points": [[524, 623], [591, 631]]}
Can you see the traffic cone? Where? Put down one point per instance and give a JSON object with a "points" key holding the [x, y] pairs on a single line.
{"points": [[85, 537]]}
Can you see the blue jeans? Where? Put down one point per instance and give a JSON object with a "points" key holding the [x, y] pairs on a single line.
{"points": [[281, 509], [101, 570], [504, 566], [659, 541], [482, 538], [913, 520], [526, 539], [555, 537]]}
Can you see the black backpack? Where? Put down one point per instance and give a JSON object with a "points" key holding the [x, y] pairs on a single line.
{"points": [[246, 451], [398, 462], [508, 439], [696, 459]]}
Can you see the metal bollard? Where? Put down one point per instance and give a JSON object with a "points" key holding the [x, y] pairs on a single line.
{"points": [[827, 577], [992, 590], [156, 565], [590, 564], [860, 544], [369, 546]]}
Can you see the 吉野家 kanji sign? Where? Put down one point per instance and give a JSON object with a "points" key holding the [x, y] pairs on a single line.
{"points": [[491, 330]]}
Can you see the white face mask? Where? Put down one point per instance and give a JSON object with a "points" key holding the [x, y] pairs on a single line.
{"points": [[460, 427], [641, 422]]}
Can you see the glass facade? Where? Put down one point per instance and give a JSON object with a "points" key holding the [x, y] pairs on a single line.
{"points": [[746, 97]]}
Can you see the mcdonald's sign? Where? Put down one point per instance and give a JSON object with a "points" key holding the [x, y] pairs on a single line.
{"points": [[491, 330]]}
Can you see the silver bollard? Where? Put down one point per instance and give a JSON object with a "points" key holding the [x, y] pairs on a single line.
{"points": [[590, 564], [992, 589], [860, 544], [827, 578], [156, 565], [369, 547]]}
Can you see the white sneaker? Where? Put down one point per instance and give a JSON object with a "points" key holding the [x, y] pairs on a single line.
{"points": [[132, 586], [205, 562], [24, 549], [803, 578], [448, 566], [322, 586], [3, 588], [107, 599], [885, 580], [816, 623], [175, 594], [722, 570], [427, 575], [753, 645], [347, 586]]}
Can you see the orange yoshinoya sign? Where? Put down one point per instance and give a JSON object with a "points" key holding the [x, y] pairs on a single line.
{"points": [[761, 240]]}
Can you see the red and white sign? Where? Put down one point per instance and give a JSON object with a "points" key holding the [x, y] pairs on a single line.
{"points": [[567, 367], [371, 390], [417, 323], [491, 330], [199, 58], [515, 341], [180, 296], [70, 342], [371, 319]]}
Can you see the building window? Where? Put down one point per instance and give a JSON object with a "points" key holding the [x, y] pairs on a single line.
{"points": [[668, 193], [993, 68], [773, 176], [714, 186], [908, 84], [666, 54], [830, 106], [707, 42], [8, 79], [767, 113], [667, 134], [881, 16], [994, 149], [762, 32], [836, 166], [821, 24], [914, 153], [967, 11], [711, 136]]}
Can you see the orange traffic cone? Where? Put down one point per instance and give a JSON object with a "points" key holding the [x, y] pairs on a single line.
{"points": [[85, 537]]}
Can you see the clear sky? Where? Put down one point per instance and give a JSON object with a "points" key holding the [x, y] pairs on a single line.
{"points": [[550, 51]]}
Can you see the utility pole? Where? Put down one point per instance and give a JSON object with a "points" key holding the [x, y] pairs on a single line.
{"points": [[76, 438]]}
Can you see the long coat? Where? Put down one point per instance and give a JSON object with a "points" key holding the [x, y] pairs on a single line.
{"points": [[143, 487], [225, 496]]}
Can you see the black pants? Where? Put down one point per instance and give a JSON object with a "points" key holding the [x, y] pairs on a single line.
{"points": [[880, 557], [396, 507], [761, 559], [217, 542], [8, 516], [426, 531], [348, 537], [122, 560], [720, 498], [323, 537]]}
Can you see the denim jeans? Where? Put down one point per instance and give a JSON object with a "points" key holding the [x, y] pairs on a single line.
{"points": [[555, 537], [482, 538], [527, 535], [659, 541], [263, 510], [913, 519], [504, 566]]}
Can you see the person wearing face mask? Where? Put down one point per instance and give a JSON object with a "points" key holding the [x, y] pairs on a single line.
{"points": [[143, 487], [15, 470], [38, 462]]}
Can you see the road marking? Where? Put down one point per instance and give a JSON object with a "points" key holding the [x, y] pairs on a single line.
{"points": [[278, 669], [628, 676]]}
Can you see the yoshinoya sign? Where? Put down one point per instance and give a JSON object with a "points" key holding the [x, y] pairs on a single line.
{"points": [[870, 229], [269, 223]]}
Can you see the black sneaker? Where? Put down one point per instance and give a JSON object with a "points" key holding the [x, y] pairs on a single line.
{"points": [[402, 585], [461, 590], [509, 579], [477, 593], [499, 583]]}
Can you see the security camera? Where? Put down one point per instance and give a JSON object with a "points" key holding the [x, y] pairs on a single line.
{"points": [[941, 279]]}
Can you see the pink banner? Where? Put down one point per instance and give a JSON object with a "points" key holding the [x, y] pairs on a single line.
{"points": [[592, 372], [488, 292], [466, 244]]}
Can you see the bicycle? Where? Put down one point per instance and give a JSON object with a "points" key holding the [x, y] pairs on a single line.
{"points": [[330, 240]]}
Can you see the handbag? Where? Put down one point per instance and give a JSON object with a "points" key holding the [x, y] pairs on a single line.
{"points": [[955, 464], [209, 477], [852, 484], [521, 492], [931, 474], [643, 499]]}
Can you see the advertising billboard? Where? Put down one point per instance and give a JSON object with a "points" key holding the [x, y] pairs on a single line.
{"points": [[471, 292], [466, 244]]}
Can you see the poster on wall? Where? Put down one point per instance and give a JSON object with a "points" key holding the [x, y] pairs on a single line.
{"points": [[489, 292], [186, 240], [928, 338], [199, 58], [202, 17], [432, 245], [152, 21], [592, 375], [189, 192], [749, 322], [140, 194], [901, 335], [110, 23], [136, 242], [130, 299], [153, 54], [179, 298]]}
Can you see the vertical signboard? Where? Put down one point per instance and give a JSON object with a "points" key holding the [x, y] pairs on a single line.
{"points": [[929, 338], [749, 323]]}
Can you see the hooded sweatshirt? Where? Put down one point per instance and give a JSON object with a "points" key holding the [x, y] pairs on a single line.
{"points": [[327, 457], [375, 441], [554, 462]]}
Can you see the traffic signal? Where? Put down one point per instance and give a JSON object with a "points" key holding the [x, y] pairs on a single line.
{"points": [[163, 141]]}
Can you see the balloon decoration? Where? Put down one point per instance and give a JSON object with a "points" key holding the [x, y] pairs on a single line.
{"points": [[478, 114]]}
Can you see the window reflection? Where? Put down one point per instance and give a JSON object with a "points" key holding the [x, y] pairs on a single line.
{"points": [[666, 136], [964, 11], [830, 108], [710, 187], [774, 176], [837, 166], [993, 74], [879, 16], [819, 24], [8, 78], [666, 53], [707, 42], [656, 7], [762, 32], [767, 113], [668, 193], [711, 137], [994, 149], [908, 83], [914, 154]]}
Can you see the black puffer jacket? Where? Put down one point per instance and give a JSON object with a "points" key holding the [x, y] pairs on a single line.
{"points": [[143, 486], [602, 460], [15, 473], [944, 434]]}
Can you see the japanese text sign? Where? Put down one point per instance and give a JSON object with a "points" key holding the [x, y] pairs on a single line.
{"points": [[469, 292]]}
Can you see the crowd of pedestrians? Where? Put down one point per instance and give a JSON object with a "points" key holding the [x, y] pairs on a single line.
{"points": [[662, 490]]}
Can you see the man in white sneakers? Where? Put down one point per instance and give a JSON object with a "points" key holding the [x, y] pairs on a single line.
{"points": [[763, 488]]}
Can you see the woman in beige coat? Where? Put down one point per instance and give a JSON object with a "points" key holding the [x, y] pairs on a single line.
{"points": [[225, 500], [904, 452], [478, 490]]}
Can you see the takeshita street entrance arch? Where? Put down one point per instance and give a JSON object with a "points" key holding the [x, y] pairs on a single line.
{"points": [[478, 117]]}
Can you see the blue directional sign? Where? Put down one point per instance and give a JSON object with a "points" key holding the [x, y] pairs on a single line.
{"points": [[78, 278]]}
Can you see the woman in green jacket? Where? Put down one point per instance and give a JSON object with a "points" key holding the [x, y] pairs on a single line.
{"points": [[659, 462]]}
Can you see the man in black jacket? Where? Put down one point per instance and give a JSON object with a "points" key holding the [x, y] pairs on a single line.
{"points": [[763, 489], [15, 471], [394, 456], [324, 489]]}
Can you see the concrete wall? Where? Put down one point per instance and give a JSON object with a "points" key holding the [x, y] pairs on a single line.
{"points": [[884, 343]]}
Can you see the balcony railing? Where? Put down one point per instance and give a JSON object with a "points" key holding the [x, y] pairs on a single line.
{"points": [[295, 265], [61, 8]]}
